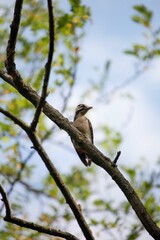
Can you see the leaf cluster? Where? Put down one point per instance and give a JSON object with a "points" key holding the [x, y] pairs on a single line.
{"points": [[151, 49]]}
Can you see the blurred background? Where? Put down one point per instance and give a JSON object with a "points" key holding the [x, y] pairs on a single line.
{"points": [[107, 56]]}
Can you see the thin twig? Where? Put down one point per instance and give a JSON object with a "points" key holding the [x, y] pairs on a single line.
{"points": [[108, 94], [31, 225], [47, 67], [114, 163], [18, 176], [34, 190], [6, 203], [73, 76]]}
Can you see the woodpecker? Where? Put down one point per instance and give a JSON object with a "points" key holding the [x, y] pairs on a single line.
{"points": [[84, 126]]}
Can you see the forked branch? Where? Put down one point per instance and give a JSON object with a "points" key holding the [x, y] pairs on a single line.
{"points": [[54, 173], [31, 225]]}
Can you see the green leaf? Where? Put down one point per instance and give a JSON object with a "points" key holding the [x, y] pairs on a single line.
{"points": [[143, 10], [144, 17], [94, 222], [99, 202], [131, 172]]}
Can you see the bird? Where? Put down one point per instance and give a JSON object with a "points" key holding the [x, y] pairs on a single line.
{"points": [[83, 124]]}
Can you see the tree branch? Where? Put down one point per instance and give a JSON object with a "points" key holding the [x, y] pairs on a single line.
{"points": [[47, 67], [30, 225], [5, 76], [97, 157], [108, 94], [5, 200], [10, 51], [54, 173], [114, 163]]}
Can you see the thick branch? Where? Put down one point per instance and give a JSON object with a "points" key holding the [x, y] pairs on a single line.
{"points": [[10, 51], [30, 225], [97, 157], [4, 75], [54, 173], [47, 67]]}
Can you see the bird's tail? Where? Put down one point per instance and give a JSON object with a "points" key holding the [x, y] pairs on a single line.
{"points": [[86, 161]]}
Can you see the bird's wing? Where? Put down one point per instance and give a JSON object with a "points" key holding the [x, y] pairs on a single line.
{"points": [[91, 131], [82, 156]]}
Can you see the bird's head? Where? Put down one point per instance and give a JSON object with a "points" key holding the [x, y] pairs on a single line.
{"points": [[82, 109]]}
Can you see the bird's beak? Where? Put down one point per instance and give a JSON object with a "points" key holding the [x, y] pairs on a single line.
{"points": [[88, 108]]}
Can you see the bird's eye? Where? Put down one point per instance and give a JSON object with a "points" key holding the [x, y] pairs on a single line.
{"points": [[81, 105]]}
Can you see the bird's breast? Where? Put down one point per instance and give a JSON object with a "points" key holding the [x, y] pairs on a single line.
{"points": [[82, 125]]}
